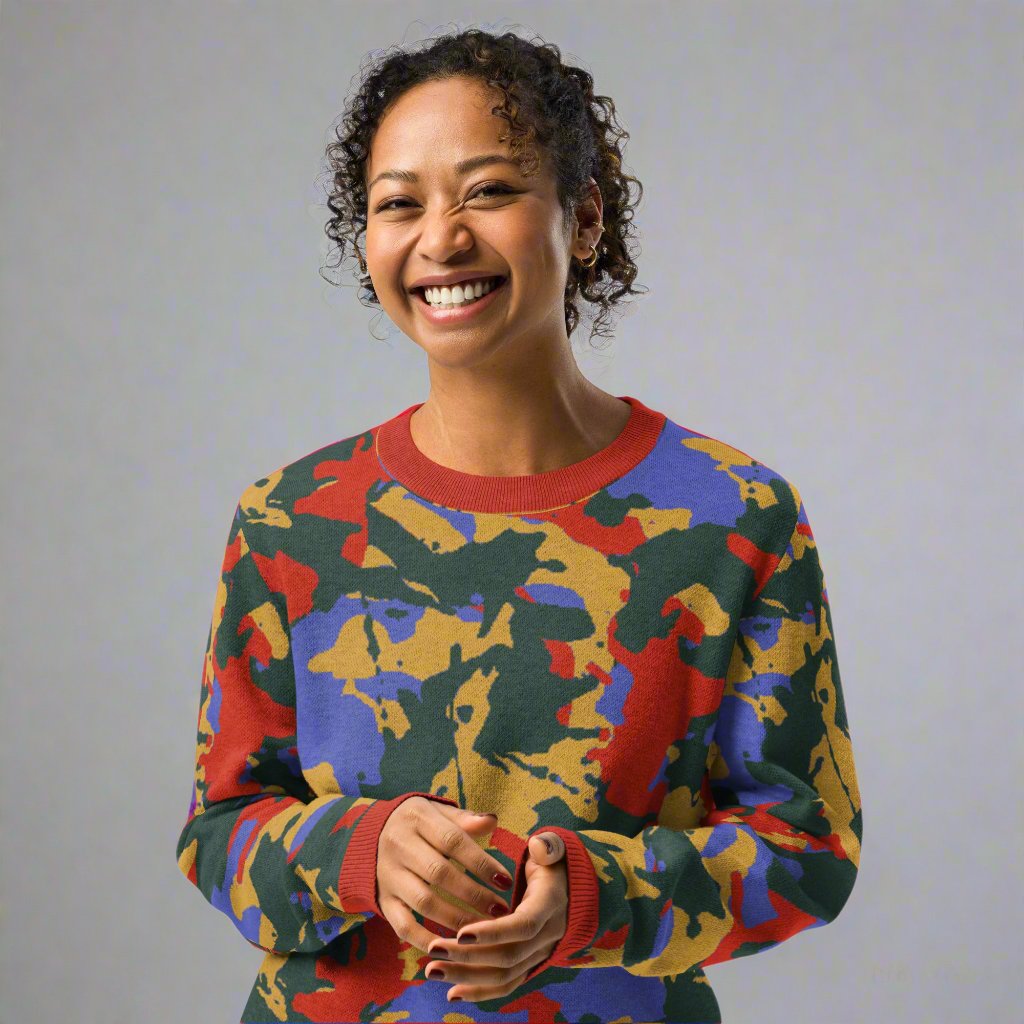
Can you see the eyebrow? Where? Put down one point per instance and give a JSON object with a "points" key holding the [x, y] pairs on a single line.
{"points": [[463, 167]]}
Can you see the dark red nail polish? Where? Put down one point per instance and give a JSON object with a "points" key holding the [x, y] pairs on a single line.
{"points": [[455, 999], [436, 972], [502, 881], [497, 910], [438, 954], [467, 938]]}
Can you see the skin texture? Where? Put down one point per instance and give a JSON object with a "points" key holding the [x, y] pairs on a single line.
{"points": [[506, 395], [415, 850], [507, 948]]}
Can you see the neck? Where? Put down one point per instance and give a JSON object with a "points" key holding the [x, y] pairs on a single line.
{"points": [[513, 427]]}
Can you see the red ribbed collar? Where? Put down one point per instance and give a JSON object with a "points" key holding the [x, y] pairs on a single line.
{"points": [[533, 492]]}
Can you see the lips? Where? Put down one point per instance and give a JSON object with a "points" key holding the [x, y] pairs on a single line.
{"points": [[454, 315]]}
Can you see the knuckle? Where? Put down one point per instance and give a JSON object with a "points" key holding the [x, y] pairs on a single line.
{"points": [[451, 838], [421, 901], [507, 983], [406, 811], [438, 871], [529, 924]]}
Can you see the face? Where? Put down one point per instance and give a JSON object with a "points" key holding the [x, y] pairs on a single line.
{"points": [[489, 220]]}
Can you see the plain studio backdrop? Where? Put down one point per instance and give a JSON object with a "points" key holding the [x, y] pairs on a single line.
{"points": [[832, 238]]}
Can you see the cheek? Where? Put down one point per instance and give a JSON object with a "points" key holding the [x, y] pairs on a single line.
{"points": [[542, 262], [381, 257], [551, 247]]}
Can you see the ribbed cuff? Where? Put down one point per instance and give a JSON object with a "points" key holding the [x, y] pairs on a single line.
{"points": [[584, 900], [357, 880]]}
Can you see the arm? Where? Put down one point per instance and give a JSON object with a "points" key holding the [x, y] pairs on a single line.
{"points": [[779, 848], [291, 870]]}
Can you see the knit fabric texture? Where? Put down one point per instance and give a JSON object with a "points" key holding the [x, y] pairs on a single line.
{"points": [[634, 651]]}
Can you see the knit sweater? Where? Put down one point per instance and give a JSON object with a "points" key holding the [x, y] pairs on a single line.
{"points": [[634, 651]]}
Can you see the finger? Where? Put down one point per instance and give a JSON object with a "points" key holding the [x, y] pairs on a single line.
{"points": [[536, 905], [522, 924], [443, 891], [446, 835], [405, 926], [546, 847], [474, 821], [465, 961], [430, 903], [486, 985], [536, 910], [530, 919]]}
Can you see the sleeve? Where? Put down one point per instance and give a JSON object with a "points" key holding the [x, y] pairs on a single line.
{"points": [[291, 870], [778, 848]]}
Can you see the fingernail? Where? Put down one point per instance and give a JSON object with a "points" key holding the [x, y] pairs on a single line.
{"points": [[438, 954], [436, 972], [454, 999], [548, 845], [484, 814], [501, 880], [497, 909], [469, 937]]}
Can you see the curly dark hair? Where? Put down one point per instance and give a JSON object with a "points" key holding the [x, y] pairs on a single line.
{"points": [[546, 103]]}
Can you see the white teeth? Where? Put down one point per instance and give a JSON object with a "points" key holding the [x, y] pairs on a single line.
{"points": [[460, 294]]}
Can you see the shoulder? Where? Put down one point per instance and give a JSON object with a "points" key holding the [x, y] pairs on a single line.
{"points": [[305, 483], [733, 482]]}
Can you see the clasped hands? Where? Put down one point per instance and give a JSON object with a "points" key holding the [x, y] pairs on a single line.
{"points": [[415, 852]]}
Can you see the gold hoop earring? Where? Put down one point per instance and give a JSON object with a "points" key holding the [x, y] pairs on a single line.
{"points": [[591, 260]]}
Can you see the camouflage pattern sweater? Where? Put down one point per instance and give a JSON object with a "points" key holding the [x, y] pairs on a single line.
{"points": [[634, 651]]}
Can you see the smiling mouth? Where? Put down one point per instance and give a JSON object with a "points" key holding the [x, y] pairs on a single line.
{"points": [[421, 292]]}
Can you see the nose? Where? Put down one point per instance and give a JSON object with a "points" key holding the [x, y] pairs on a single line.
{"points": [[443, 237]]}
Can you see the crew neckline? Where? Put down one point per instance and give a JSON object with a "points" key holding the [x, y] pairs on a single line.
{"points": [[533, 492]]}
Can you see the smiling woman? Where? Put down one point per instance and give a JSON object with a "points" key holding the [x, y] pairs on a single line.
{"points": [[526, 697], [477, 215], [494, 137]]}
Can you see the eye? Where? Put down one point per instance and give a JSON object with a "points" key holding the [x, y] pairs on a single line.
{"points": [[496, 188]]}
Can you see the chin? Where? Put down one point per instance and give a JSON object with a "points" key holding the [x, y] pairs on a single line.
{"points": [[459, 354]]}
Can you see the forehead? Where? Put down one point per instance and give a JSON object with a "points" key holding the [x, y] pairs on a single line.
{"points": [[435, 124]]}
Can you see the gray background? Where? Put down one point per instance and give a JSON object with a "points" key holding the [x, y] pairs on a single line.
{"points": [[831, 233]]}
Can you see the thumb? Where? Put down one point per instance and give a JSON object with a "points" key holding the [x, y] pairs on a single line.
{"points": [[546, 847]]}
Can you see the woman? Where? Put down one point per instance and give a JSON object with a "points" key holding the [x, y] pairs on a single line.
{"points": [[524, 598]]}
